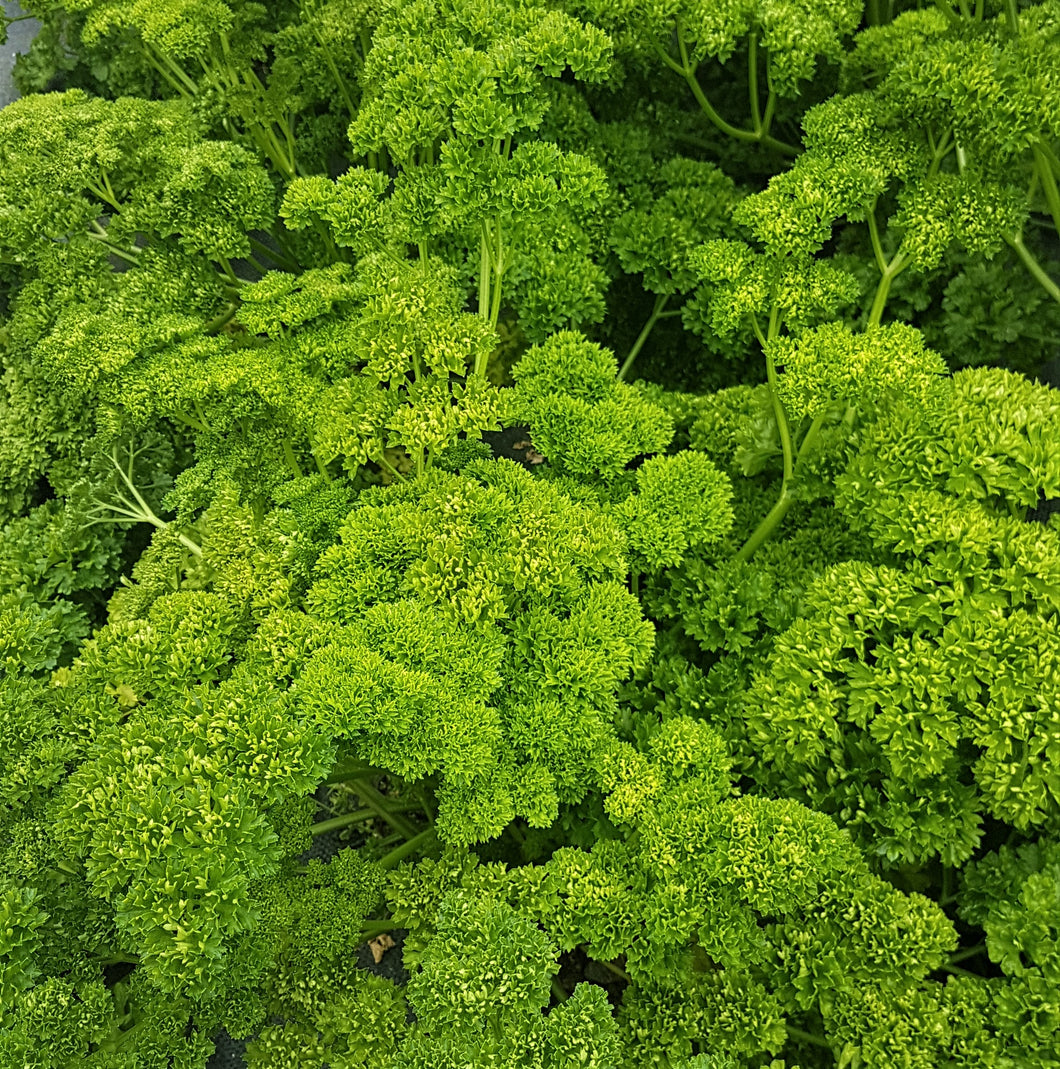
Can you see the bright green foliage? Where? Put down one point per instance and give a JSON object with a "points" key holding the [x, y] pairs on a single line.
{"points": [[21, 917], [687, 203], [1012, 895], [179, 758], [296, 960], [57, 1023], [584, 421], [139, 161], [794, 33], [409, 337], [517, 587], [478, 992], [732, 913], [748, 693], [681, 503], [833, 364], [448, 86], [745, 286], [938, 672], [995, 88]]}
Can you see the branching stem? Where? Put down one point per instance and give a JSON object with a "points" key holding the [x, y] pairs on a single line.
{"points": [[137, 510], [687, 70]]}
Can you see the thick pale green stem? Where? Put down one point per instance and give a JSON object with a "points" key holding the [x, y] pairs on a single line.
{"points": [[421, 841], [222, 319], [358, 816], [291, 460], [322, 827], [484, 272], [345, 773], [498, 274], [780, 416], [877, 245], [1012, 15], [883, 290], [140, 512], [378, 804], [964, 955], [162, 63]]}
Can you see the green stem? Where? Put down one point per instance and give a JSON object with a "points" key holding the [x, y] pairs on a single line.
{"points": [[559, 992], [291, 460], [1045, 149], [808, 1037], [767, 119], [780, 415], [116, 250], [160, 60], [947, 9], [228, 270], [319, 461], [370, 929], [894, 268], [956, 970], [290, 257], [101, 191], [112, 197], [220, 321], [1049, 187], [484, 273], [188, 421], [1032, 265], [877, 245], [688, 72], [273, 254], [322, 827], [615, 970], [964, 955], [426, 838], [1012, 16], [770, 522], [498, 274], [812, 433], [378, 804], [656, 314], [938, 153], [340, 82], [119, 1038], [773, 519], [345, 773], [752, 81], [145, 513], [390, 467]]}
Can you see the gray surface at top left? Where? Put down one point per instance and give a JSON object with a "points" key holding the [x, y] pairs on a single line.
{"points": [[19, 36]]}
